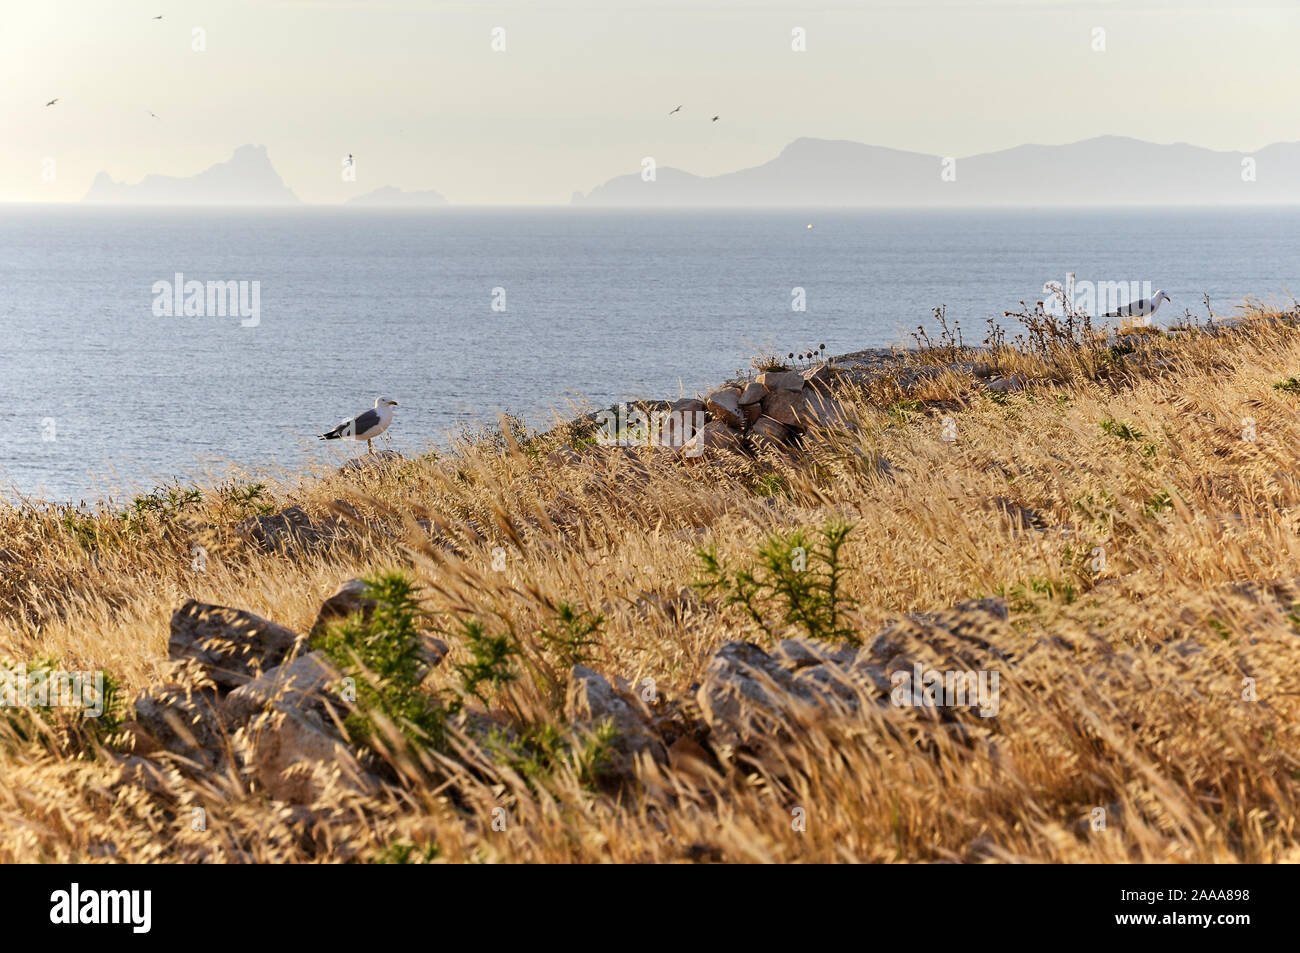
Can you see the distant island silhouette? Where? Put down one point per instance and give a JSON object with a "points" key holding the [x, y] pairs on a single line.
{"points": [[392, 197], [248, 178], [1108, 170]]}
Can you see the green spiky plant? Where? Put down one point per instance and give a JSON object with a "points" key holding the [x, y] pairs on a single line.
{"points": [[381, 652], [796, 582]]}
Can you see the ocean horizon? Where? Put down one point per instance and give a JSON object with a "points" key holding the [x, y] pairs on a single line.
{"points": [[461, 314]]}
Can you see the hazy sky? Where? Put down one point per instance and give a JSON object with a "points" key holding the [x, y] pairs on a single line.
{"points": [[581, 93]]}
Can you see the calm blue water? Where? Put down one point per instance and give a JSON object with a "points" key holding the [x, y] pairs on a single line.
{"points": [[599, 304]]}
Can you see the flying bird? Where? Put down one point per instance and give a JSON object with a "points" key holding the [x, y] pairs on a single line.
{"points": [[1141, 309], [677, 110], [715, 119], [158, 17], [150, 112], [51, 102], [365, 426]]}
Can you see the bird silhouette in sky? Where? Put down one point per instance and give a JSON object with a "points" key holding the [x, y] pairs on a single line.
{"points": [[158, 17], [150, 112], [51, 102], [715, 119], [677, 110]]}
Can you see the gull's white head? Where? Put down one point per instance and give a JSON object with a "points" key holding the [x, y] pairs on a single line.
{"points": [[384, 402], [1160, 296]]}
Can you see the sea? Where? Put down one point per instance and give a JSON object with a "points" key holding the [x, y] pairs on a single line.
{"points": [[143, 347]]}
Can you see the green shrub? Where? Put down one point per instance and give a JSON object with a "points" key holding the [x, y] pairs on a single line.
{"points": [[572, 635], [382, 653], [489, 664], [30, 706], [796, 582], [1123, 431], [1288, 386]]}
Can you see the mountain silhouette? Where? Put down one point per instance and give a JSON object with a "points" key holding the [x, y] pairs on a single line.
{"points": [[1109, 170], [248, 178]]}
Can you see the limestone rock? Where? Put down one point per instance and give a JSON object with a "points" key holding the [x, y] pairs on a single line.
{"points": [[743, 689], [822, 410], [724, 405], [784, 406], [305, 683], [591, 701], [563, 456], [183, 721], [679, 426], [294, 755], [375, 459], [769, 431], [752, 394], [818, 376], [231, 645], [290, 530], [1006, 385], [781, 380], [350, 599], [714, 436]]}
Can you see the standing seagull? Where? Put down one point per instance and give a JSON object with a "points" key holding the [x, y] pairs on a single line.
{"points": [[366, 426], [1141, 309]]}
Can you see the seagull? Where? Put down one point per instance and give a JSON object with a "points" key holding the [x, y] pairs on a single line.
{"points": [[365, 426], [158, 17], [150, 112], [715, 119], [1141, 309], [677, 110], [51, 102]]}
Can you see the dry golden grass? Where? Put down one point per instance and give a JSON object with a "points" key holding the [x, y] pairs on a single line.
{"points": [[1123, 689]]}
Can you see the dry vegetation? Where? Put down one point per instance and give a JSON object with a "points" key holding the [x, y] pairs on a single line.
{"points": [[1123, 689]]}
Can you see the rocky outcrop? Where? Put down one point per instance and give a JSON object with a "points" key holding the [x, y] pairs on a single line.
{"points": [[295, 756], [232, 646], [305, 684], [591, 701], [289, 531], [182, 720], [750, 698], [257, 703], [372, 460], [350, 599]]}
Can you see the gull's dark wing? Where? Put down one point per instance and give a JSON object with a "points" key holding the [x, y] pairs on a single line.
{"points": [[363, 422], [1138, 309], [352, 428]]}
